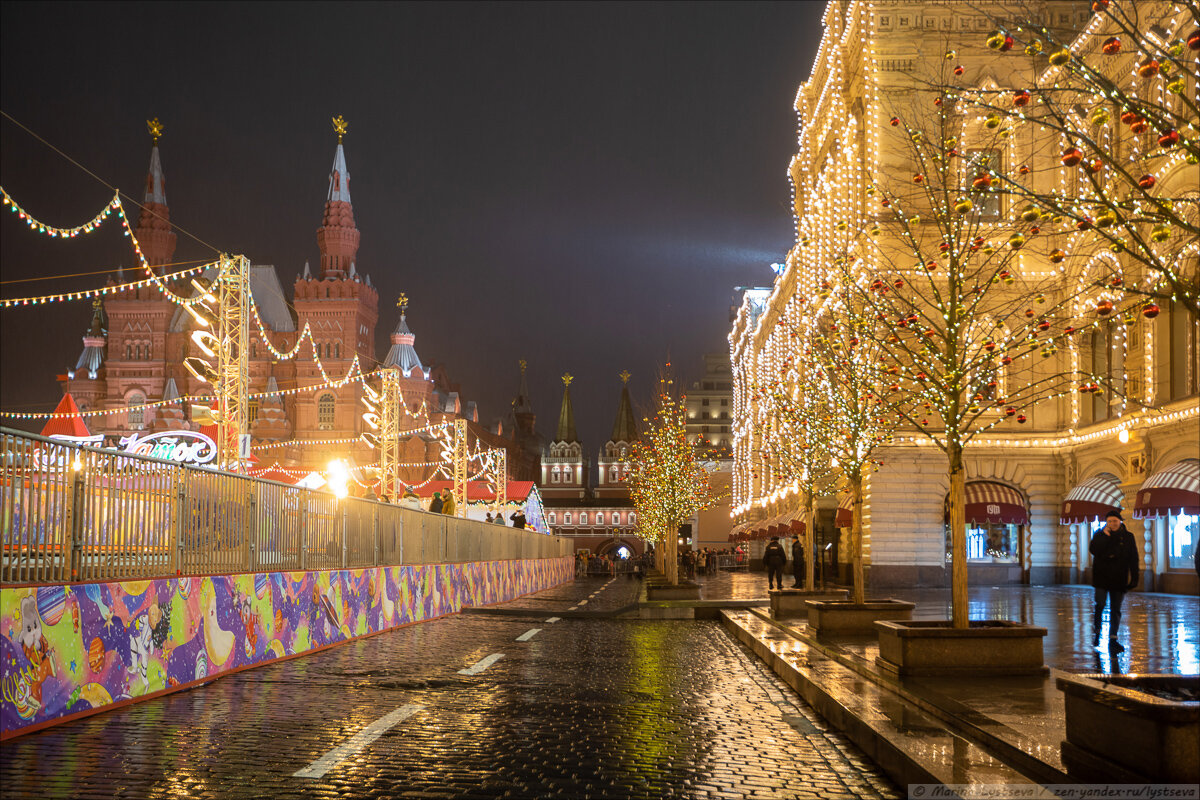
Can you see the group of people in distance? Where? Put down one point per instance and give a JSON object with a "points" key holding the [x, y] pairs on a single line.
{"points": [[447, 505]]}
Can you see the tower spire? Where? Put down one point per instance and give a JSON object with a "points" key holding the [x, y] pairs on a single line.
{"points": [[402, 355], [154, 232], [566, 415], [624, 429], [338, 236]]}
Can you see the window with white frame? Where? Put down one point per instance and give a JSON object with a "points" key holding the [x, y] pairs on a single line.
{"points": [[326, 404], [137, 414]]}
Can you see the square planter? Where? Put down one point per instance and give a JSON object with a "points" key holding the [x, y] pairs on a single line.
{"points": [[666, 591], [793, 602], [988, 647], [844, 618], [1112, 721]]}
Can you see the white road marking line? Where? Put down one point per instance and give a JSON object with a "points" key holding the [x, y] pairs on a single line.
{"points": [[529, 634], [583, 602], [358, 741], [481, 665], [554, 619], [572, 608]]}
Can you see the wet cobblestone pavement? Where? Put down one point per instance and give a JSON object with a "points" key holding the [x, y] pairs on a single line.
{"points": [[581, 708]]}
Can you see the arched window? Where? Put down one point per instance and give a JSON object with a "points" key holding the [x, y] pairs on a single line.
{"points": [[325, 406], [252, 411], [338, 350], [128, 351], [136, 413]]}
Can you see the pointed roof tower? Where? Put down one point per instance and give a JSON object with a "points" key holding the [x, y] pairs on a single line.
{"points": [[522, 403], [402, 355], [566, 415], [338, 236], [71, 425], [624, 429], [154, 233], [92, 357]]}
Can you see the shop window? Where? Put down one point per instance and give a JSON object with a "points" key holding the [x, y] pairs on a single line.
{"points": [[325, 407], [1183, 531]]}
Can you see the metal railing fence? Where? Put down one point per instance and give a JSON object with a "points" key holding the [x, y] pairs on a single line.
{"points": [[71, 513]]}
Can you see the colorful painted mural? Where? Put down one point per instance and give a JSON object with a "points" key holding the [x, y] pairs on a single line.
{"points": [[68, 650]]}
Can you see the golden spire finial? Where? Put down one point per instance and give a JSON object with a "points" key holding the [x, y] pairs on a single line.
{"points": [[340, 126], [402, 303], [624, 376], [567, 378], [523, 364], [156, 129]]}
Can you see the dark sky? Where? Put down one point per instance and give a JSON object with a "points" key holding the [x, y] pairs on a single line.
{"points": [[578, 185]]}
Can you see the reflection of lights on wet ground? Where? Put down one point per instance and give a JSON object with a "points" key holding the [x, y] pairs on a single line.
{"points": [[1187, 652]]}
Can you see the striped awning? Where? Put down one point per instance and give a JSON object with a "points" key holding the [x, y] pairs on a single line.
{"points": [[845, 512], [1091, 500], [993, 502], [1174, 490], [795, 521]]}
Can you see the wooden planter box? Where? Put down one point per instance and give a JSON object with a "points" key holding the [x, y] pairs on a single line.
{"points": [[844, 618], [793, 602], [1111, 723], [666, 591], [988, 647]]}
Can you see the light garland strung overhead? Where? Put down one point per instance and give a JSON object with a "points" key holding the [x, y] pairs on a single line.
{"points": [[55, 232]]}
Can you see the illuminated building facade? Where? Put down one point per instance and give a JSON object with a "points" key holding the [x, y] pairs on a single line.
{"points": [[1047, 479], [301, 413], [598, 517]]}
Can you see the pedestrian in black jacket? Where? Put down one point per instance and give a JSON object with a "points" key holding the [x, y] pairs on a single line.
{"points": [[774, 557], [1114, 572], [797, 561], [436, 505]]}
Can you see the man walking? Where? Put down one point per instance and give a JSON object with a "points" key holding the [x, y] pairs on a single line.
{"points": [[774, 559], [797, 561], [1114, 572]]}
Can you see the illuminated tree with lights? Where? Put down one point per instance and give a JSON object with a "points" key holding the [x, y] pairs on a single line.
{"points": [[963, 305], [667, 482], [1117, 106], [794, 449], [858, 414]]}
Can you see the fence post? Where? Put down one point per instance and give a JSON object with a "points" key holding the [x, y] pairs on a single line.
{"points": [[304, 532], [375, 533], [251, 529], [180, 505], [74, 520], [401, 535], [345, 527]]}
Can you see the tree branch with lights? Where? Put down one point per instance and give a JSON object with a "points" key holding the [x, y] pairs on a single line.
{"points": [[1118, 106]]}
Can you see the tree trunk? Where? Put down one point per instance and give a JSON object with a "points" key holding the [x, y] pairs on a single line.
{"points": [[809, 556], [672, 555], [856, 539], [659, 559], [958, 537]]}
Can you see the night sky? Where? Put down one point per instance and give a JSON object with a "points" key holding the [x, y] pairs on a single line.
{"points": [[578, 185]]}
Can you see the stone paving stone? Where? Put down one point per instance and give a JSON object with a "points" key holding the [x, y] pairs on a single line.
{"points": [[600, 708]]}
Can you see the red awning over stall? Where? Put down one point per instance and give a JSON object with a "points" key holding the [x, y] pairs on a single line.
{"points": [[1174, 490], [1091, 500], [994, 502], [845, 512], [66, 426]]}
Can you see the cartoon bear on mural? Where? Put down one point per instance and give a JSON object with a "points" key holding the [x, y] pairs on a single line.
{"points": [[35, 646]]}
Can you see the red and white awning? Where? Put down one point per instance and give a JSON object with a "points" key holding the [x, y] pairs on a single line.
{"points": [[1174, 490], [993, 502], [845, 512], [794, 522], [1091, 500]]}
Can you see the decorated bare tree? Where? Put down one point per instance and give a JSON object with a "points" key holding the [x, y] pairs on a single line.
{"points": [[957, 294], [794, 451], [857, 414], [1115, 105], [667, 482]]}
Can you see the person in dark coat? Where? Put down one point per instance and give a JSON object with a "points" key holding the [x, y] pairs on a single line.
{"points": [[436, 505], [797, 561], [1114, 572], [518, 518], [774, 559]]}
